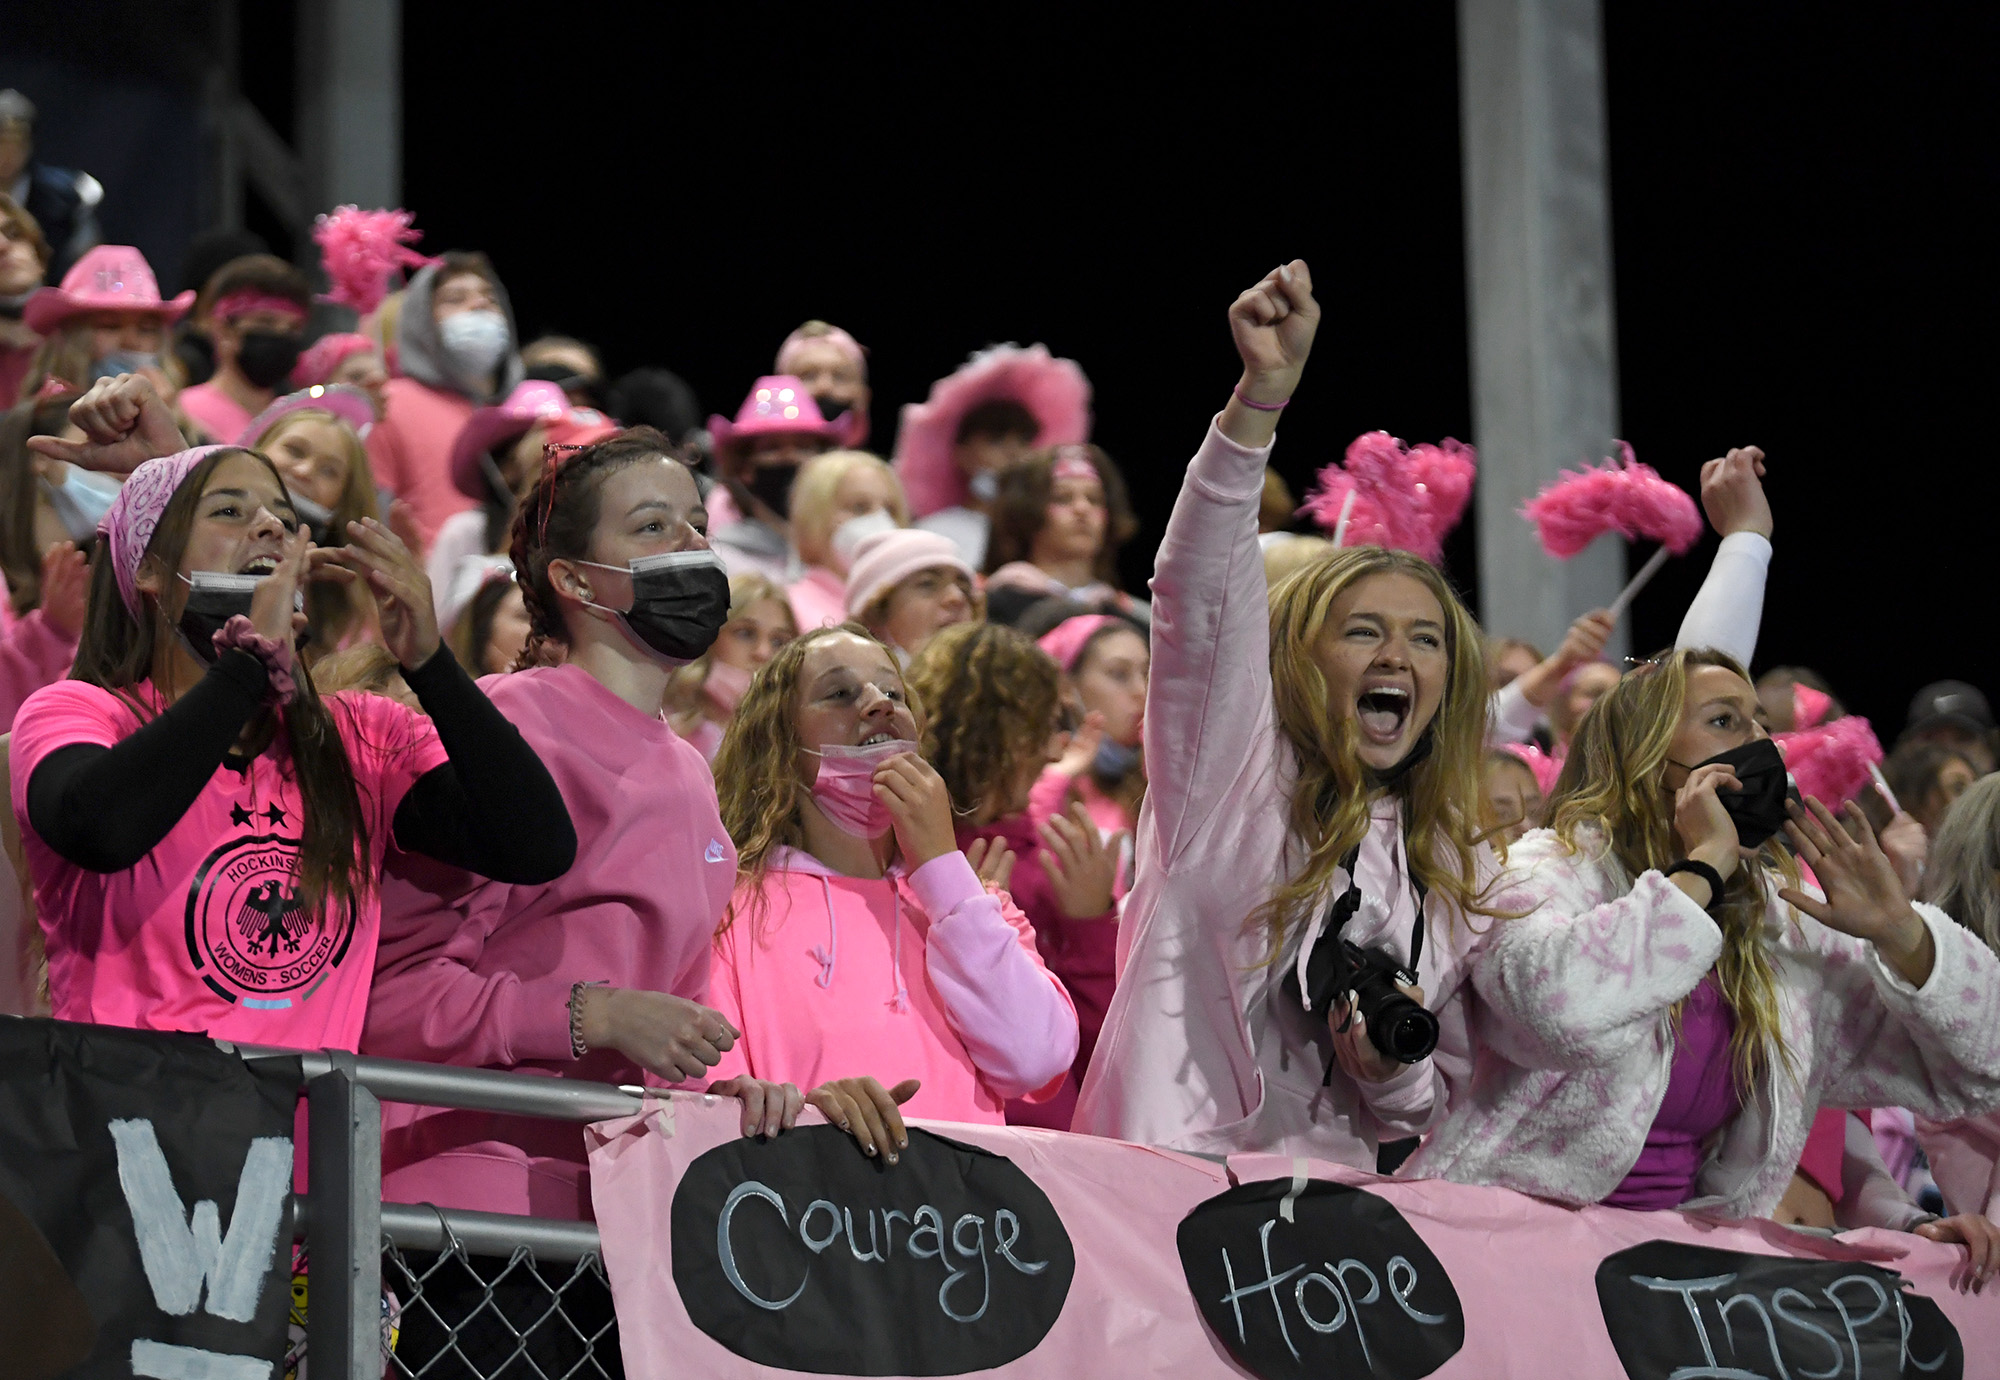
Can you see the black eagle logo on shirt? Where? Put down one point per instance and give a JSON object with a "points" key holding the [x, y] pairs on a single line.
{"points": [[271, 916]]}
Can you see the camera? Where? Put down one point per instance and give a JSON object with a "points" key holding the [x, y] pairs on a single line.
{"points": [[1397, 1026]]}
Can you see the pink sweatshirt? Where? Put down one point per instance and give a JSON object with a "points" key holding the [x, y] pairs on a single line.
{"points": [[410, 450], [1965, 1161], [1570, 1034], [922, 975], [479, 973], [1201, 1049], [818, 599], [33, 653]]}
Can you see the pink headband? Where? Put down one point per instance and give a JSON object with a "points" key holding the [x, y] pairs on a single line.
{"points": [[246, 300], [1067, 639], [1073, 462], [327, 354], [128, 525], [832, 335]]}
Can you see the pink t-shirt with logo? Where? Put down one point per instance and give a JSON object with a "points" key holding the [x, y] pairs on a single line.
{"points": [[205, 933]]}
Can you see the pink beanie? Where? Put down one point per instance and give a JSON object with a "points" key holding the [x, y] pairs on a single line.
{"points": [[1066, 640], [885, 560], [128, 525]]}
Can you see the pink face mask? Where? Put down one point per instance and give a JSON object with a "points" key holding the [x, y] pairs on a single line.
{"points": [[725, 685], [844, 790]]}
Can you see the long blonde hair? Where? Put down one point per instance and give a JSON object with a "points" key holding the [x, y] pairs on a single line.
{"points": [[1330, 803], [813, 491], [756, 770], [334, 611], [746, 589], [1612, 784]]}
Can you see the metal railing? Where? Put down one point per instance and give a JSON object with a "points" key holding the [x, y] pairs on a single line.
{"points": [[346, 1225]]}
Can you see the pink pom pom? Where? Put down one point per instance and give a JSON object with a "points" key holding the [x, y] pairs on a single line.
{"points": [[1628, 498], [360, 249], [1406, 497], [1831, 761]]}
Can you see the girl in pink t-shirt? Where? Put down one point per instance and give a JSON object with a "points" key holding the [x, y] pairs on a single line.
{"points": [[860, 936], [204, 832]]}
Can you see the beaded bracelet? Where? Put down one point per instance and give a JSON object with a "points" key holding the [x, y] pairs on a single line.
{"points": [[1253, 404], [577, 1047]]}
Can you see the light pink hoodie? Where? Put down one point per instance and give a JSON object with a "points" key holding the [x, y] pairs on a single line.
{"points": [[479, 973], [923, 975], [33, 653], [1202, 1050]]}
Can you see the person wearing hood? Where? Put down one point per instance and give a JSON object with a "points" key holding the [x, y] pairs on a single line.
{"points": [[454, 353], [257, 308], [778, 429], [24, 261]]}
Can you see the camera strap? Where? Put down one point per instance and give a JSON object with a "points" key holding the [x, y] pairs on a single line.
{"points": [[1326, 957]]}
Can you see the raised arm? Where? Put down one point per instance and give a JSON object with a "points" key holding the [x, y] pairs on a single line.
{"points": [[1728, 610], [1210, 690]]}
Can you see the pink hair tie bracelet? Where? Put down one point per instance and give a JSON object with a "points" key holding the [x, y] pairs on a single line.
{"points": [[1260, 407], [240, 634]]}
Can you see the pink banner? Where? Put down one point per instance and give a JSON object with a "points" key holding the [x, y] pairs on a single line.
{"points": [[1035, 1253]]}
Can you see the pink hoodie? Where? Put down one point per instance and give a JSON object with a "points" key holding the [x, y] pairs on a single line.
{"points": [[409, 450], [922, 975], [33, 653], [479, 973], [1965, 1161], [1201, 1049]]}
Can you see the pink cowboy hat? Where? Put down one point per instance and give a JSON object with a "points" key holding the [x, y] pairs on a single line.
{"points": [[111, 277], [1054, 390], [534, 402], [777, 405]]}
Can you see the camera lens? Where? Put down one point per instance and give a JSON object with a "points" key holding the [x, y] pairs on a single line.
{"points": [[1402, 1029]]}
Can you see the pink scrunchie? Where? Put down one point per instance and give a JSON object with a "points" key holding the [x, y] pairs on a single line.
{"points": [[241, 634]]}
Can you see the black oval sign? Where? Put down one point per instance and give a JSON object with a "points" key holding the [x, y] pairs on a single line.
{"points": [[1678, 1310], [802, 1253], [1335, 1284]]}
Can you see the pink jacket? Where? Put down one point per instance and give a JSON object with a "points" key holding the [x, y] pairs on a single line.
{"points": [[923, 975], [33, 653], [1201, 1049], [1965, 1161], [479, 973], [409, 450], [1570, 1032]]}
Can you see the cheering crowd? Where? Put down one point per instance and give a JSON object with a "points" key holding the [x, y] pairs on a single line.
{"points": [[421, 692]]}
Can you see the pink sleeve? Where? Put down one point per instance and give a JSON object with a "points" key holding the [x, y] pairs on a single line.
{"points": [[1965, 1160], [1016, 1020], [1575, 992], [1208, 699], [1050, 792], [430, 1003], [1869, 1195], [32, 654], [1407, 1103], [385, 456]]}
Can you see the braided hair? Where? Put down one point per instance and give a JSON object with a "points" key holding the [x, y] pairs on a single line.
{"points": [[556, 520]]}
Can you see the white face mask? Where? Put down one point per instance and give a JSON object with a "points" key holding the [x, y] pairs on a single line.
{"points": [[81, 500], [474, 341], [984, 486], [851, 533]]}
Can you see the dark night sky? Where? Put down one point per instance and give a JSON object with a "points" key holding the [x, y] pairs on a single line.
{"points": [[1794, 227]]}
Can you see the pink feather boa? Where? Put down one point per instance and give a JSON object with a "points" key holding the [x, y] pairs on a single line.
{"points": [[1831, 761], [1406, 497], [360, 249], [1624, 497]]}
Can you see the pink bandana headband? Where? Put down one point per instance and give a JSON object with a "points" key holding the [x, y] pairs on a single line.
{"points": [[832, 335], [1073, 462], [128, 526], [1067, 639], [246, 300]]}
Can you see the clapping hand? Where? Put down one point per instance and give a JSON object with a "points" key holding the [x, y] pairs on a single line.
{"points": [[1082, 866], [402, 590], [1864, 896]]}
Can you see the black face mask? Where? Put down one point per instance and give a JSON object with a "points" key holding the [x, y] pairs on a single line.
{"points": [[213, 599], [772, 487], [266, 358], [830, 410], [1758, 810], [680, 600]]}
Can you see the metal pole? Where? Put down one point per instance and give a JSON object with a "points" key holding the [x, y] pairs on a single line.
{"points": [[443, 1085], [1538, 268], [344, 1225]]}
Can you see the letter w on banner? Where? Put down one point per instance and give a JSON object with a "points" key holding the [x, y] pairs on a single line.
{"points": [[1033, 1253], [143, 1180]]}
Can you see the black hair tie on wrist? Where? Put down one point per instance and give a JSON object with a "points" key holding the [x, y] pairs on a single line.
{"points": [[1703, 871]]}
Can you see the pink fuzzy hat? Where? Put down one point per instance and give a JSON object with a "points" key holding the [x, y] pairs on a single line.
{"points": [[128, 525], [885, 560], [777, 405], [111, 277], [1054, 390], [350, 405], [317, 364], [1066, 640]]}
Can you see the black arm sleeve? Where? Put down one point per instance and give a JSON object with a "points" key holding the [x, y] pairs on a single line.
{"points": [[493, 808], [105, 808]]}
